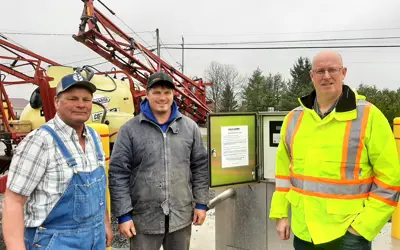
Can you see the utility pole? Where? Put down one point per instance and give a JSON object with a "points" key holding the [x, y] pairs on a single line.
{"points": [[158, 42], [183, 52]]}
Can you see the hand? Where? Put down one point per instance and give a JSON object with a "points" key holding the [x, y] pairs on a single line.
{"points": [[353, 231], [283, 228], [127, 229], [199, 217], [109, 234]]}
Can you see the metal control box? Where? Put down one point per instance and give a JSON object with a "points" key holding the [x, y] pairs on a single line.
{"points": [[246, 165]]}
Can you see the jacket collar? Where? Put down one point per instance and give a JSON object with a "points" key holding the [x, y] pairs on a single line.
{"points": [[173, 126], [347, 101]]}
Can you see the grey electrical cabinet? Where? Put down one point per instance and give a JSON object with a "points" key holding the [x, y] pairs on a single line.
{"points": [[242, 149]]}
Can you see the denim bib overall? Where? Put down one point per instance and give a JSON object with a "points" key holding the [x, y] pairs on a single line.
{"points": [[77, 220]]}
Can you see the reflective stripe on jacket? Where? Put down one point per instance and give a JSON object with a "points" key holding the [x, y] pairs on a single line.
{"points": [[336, 172]]}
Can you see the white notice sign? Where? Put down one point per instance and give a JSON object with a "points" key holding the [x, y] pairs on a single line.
{"points": [[235, 146], [276, 137]]}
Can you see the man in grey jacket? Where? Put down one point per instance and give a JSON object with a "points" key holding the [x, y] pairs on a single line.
{"points": [[158, 176]]}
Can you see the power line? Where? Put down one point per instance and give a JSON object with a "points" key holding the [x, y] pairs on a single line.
{"points": [[7, 38], [55, 34], [291, 41], [115, 14], [84, 60], [163, 46], [96, 64], [291, 33], [288, 47], [107, 61], [133, 31], [69, 63], [16, 32], [376, 62], [37, 34]]}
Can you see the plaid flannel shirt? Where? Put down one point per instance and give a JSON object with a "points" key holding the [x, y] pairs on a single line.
{"points": [[39, 171], [318, 111]]}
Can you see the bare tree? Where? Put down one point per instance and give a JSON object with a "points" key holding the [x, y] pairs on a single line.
{"points": [[234, 79], [215, 74], [221, 75]]}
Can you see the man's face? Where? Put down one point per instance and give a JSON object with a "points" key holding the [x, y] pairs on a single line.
{"points": [[160, 99], [74, 106], [328, 74]]}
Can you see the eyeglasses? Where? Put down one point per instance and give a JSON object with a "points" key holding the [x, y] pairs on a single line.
{"points": [[331, 71]]}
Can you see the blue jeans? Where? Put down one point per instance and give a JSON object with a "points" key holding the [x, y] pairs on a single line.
{"points": [[348, 241]]}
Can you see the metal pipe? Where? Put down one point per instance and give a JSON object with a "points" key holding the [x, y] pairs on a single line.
{"points": [[229, 193]]}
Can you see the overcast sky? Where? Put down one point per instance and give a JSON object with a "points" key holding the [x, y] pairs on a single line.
{"points": [[220, 21]]}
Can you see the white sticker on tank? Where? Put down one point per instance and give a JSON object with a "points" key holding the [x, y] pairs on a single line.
{"points": [[101, 99], [104, 100], [97, 116]]}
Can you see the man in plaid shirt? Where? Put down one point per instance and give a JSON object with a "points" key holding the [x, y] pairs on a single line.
{"points": [[55, 197]]}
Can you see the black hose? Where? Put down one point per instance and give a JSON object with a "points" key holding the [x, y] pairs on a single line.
{"points": [[3, 76], [105, 111], [104, 90], [105, 6]]}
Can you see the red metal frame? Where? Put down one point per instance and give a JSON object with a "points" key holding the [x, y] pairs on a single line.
{"points": [[40, 78], [119, 48], [22, 57]]}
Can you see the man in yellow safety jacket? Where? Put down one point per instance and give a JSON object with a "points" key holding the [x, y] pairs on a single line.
{"points": [[337, 166]]}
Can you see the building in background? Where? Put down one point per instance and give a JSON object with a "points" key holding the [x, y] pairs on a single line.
{"points": [[18, 105]]}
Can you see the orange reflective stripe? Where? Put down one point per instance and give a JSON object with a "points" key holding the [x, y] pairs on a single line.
{"points": [[386, 186], [288, 136], [283, 177], [353, 142], [282, 183], [293, 122], [333, 196], [344, 151], [345, 189], [331, 188], [295, 131], [292, 128], [289, 119], [384, 192], [387, 201], [332, 181], [361, 142], [282, 189]]}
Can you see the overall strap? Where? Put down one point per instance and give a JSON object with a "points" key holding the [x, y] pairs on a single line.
{"points": [[64, 151], [96, 144]]}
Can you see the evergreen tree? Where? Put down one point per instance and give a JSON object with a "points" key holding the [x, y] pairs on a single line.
{"points": [[251, 93], [299, 86], [228, 102]]}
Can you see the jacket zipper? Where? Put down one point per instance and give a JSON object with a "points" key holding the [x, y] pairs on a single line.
{"points": [[166, 167], [165, 157]]}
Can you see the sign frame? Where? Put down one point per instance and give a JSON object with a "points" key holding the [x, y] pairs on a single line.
{"points": [[254, 170]]}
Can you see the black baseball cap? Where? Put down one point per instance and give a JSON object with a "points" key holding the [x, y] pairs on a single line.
{"points": [[160, 78]]}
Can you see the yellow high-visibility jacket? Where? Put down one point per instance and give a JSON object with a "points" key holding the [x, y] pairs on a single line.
{"points": [[336, 172]]}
